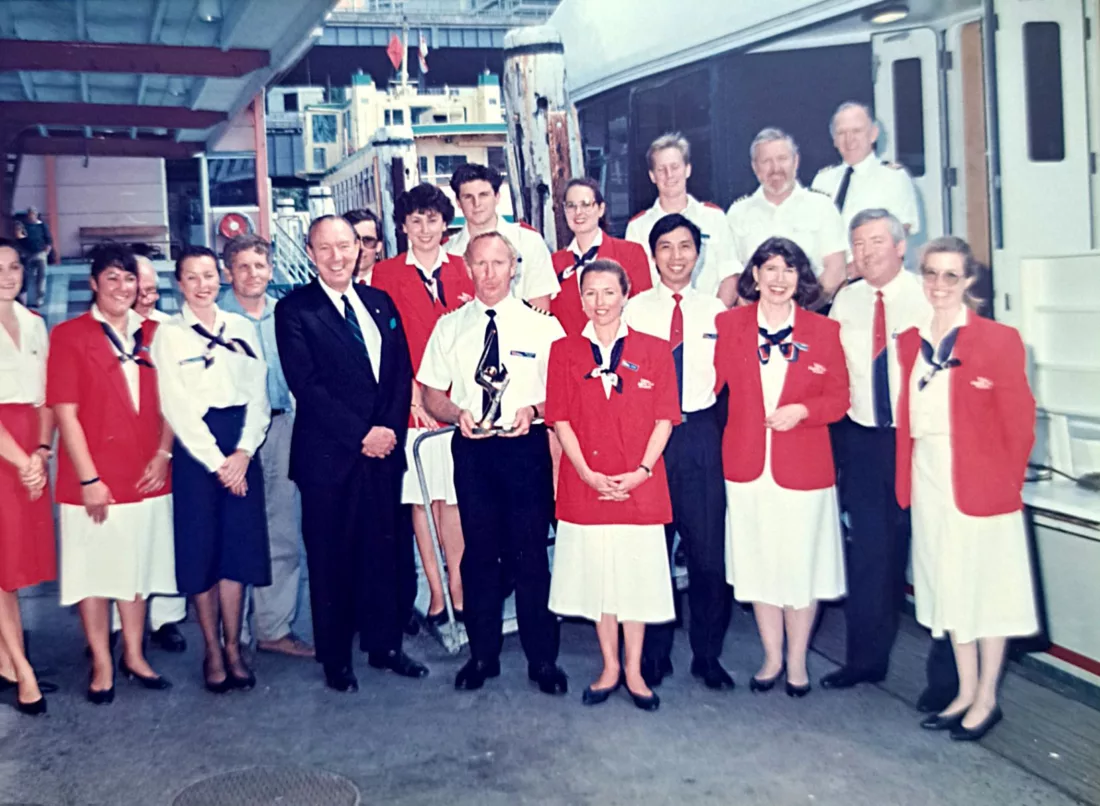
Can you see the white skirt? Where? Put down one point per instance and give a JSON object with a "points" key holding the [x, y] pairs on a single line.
{"points": [[619, 569], [439, 469], [783, 547], [971, 576], [130, 554]]}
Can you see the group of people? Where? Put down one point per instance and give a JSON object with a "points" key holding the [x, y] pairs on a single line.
{"points": [[680, 383]]}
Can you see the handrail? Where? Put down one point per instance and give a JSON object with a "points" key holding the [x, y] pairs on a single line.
{"points": [[291, 264]]}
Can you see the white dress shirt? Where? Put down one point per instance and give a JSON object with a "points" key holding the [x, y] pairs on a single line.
{"points": [[441, 257], [716, 258], [854, 308], [807, 217], [23, 367], [372, 337], [651, 312], [188, 387], [157, 315], [874, 183], [458, 341], [535, 275], [130, 369]]}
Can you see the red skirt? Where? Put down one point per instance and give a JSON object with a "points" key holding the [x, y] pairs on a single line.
{"points": [[28, 554]]}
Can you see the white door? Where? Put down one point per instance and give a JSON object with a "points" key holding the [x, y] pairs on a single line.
{"points": [[1043, 170], [908, 105]]}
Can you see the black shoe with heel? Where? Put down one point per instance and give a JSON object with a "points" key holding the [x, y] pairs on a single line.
{"points": [[216, 686], [798, 691], [760, 685], [104, 697], [36, 708], [156, 683], [963, 734]]}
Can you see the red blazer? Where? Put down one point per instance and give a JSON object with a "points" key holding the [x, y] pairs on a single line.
{"points": [[566, 306], [84, 369], [992, 418], [613, 432], [802, 458]]}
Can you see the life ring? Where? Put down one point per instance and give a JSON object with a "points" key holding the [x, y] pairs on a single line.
{"points": [[234, 224]]}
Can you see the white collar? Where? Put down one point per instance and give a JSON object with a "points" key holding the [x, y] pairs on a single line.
{"points": [[335, 295], [440, 259], [891, 288], [663, 212], [589, 333], [797, 190], [865, 163], [762, 322], [664, 292], [597, 242], [504, 306], [960, 321], [133, 320]]}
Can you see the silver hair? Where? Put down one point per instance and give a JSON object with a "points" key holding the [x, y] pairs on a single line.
{"points": [[844, 107], [897, 230], [669, 140], [498, 236], [771, 135]]}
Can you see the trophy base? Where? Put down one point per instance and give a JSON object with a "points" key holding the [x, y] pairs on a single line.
{"points": [[491, 431]]}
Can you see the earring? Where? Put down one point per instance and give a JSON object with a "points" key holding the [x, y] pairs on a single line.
{"points": [[756, 286]]}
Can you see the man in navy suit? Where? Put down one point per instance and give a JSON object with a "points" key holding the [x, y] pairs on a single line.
{"points": [[346, 360]]}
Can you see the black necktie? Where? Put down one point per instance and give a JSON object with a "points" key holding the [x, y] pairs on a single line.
{"points": [[579, 262], [764, 351], [437, 278], [612, 365], [842, 194], [939, 359], [219, 340], [490, 358], [124, 356]]}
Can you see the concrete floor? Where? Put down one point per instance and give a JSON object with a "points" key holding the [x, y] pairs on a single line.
{"points": [[420, 742]]}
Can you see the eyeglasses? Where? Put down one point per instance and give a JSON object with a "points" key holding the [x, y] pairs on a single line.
{"points": [[368, 241], [948, 278], [584, 205]]}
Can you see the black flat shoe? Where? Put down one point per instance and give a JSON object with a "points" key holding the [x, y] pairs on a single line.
{"points": [[246, 683], [36, 708], [169, 638], [216, 686], [596, 696], [341, 679], [156, 683], [105, 697], [713, 675], [798, 691], [760, 685], [473, 675], [398, 662], [961, 734], [650, 703], [550, 677], [937, 722]]}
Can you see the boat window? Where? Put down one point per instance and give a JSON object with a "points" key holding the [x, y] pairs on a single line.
{"points": [[1046, 139], [908, 129]]}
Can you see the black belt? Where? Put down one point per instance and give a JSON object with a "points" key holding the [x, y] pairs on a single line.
{"points": [[277, 412], [709, 411]]}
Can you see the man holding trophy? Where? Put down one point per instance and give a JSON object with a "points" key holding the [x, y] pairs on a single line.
{"points": [[492, 354]]}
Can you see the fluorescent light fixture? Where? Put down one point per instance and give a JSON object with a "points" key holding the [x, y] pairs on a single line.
{"points": [[886, 13], [209, 10]]}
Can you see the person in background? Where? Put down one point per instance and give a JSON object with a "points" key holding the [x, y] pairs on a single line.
{"points": [[213, 391], [612, 399], [584, 213], [36, 246], [669, 161], [966, 426], [368, 231], [425, 283], [693, 456], [247, 261], [784, 367], [477, 188], [27, 555], [113, 486]]}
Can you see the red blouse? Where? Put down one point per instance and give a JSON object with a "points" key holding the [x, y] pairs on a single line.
{"points": [[566, 306], [613, 432]]}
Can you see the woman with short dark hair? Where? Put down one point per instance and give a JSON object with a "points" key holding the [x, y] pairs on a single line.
{"points": [[112, 477], [787, 379]]}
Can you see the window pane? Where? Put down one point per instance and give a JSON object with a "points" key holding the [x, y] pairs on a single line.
{"points": [[232, 182], [1046, 136], [318, 159], [909, 115], [324, 128], [494, 155], [445, 164]]}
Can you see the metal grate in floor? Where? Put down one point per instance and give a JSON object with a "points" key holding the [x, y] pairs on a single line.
{"points": [[267, 786]]}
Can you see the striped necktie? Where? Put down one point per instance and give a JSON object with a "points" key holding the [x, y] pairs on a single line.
{"points": [[353, 322]]}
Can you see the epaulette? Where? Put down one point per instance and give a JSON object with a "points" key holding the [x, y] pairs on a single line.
{"points": [[894, 165], [712, 206], [636, 216], [821, 192], [525, 225], [36, 313], [537, 309], [740, 199]]}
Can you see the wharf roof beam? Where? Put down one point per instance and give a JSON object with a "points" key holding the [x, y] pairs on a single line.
{"points": [[89, 114], [101, 57], [108, 147]]}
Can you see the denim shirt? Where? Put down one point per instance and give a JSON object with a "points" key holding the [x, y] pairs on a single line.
{"points": [[277, 390]]}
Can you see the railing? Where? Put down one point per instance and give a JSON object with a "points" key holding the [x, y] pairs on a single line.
{"points": [[355, 11], [285, 120], [292, 265]]}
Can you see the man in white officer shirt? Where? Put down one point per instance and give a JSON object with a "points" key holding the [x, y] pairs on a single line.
{"points": [[862, 181], [669, 160], [783, 207], [477, 188], [504, 482]]}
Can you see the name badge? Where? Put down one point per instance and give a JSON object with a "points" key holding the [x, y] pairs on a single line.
{"points": [[196, 359], [710, 335], [631, 367], [522, 354]]}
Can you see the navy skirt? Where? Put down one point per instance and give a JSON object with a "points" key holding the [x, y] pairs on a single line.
{"points": [[218, 535]]}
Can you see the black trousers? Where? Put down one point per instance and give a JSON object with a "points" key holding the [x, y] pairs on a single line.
{"points": [[505, 502], [942, 674], [876, 549], [359, 559], [693, 462]]}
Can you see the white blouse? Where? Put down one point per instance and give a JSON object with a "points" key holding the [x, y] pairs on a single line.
{"points": [[23, 367], [193, 378]]}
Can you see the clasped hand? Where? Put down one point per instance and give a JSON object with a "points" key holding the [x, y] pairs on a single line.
{"points": [[379, 442], [232, 473], [33, 475], [614, 488]]}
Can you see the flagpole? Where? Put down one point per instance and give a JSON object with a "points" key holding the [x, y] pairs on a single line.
{"points": [[405, 56]]}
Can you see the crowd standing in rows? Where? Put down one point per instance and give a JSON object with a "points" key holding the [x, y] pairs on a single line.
{"points": [[685, 382]]}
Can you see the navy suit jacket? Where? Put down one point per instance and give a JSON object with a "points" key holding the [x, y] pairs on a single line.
{"points": [[338, 399]]}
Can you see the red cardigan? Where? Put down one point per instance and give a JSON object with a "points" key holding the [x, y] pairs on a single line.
{"points": [[802, 458], [566, 305], [992, 418], [85, 370]]}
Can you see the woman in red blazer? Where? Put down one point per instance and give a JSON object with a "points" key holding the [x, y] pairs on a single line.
{"points": [[787, 379], [966, 424], [113, 492], [584, 210]]}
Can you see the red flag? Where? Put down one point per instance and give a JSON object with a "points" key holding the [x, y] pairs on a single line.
{"points": [[423, 54], [396, 51]]}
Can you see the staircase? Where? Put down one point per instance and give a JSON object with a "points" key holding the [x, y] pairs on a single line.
{"points": [[290, 263]]}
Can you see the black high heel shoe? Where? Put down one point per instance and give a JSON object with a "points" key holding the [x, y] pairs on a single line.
{"points": [[156, 683], [757, 684], [798, 691], [246, 683], [217, 686], [650, 703], [104, 697], [36, 708], [964, 734]]}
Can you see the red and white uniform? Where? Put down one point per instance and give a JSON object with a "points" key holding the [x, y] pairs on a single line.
{"points": [[27, 554], [963, 443], [132, 552], [610, 556], [566, 305], [783, 541], [421, 302]]}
